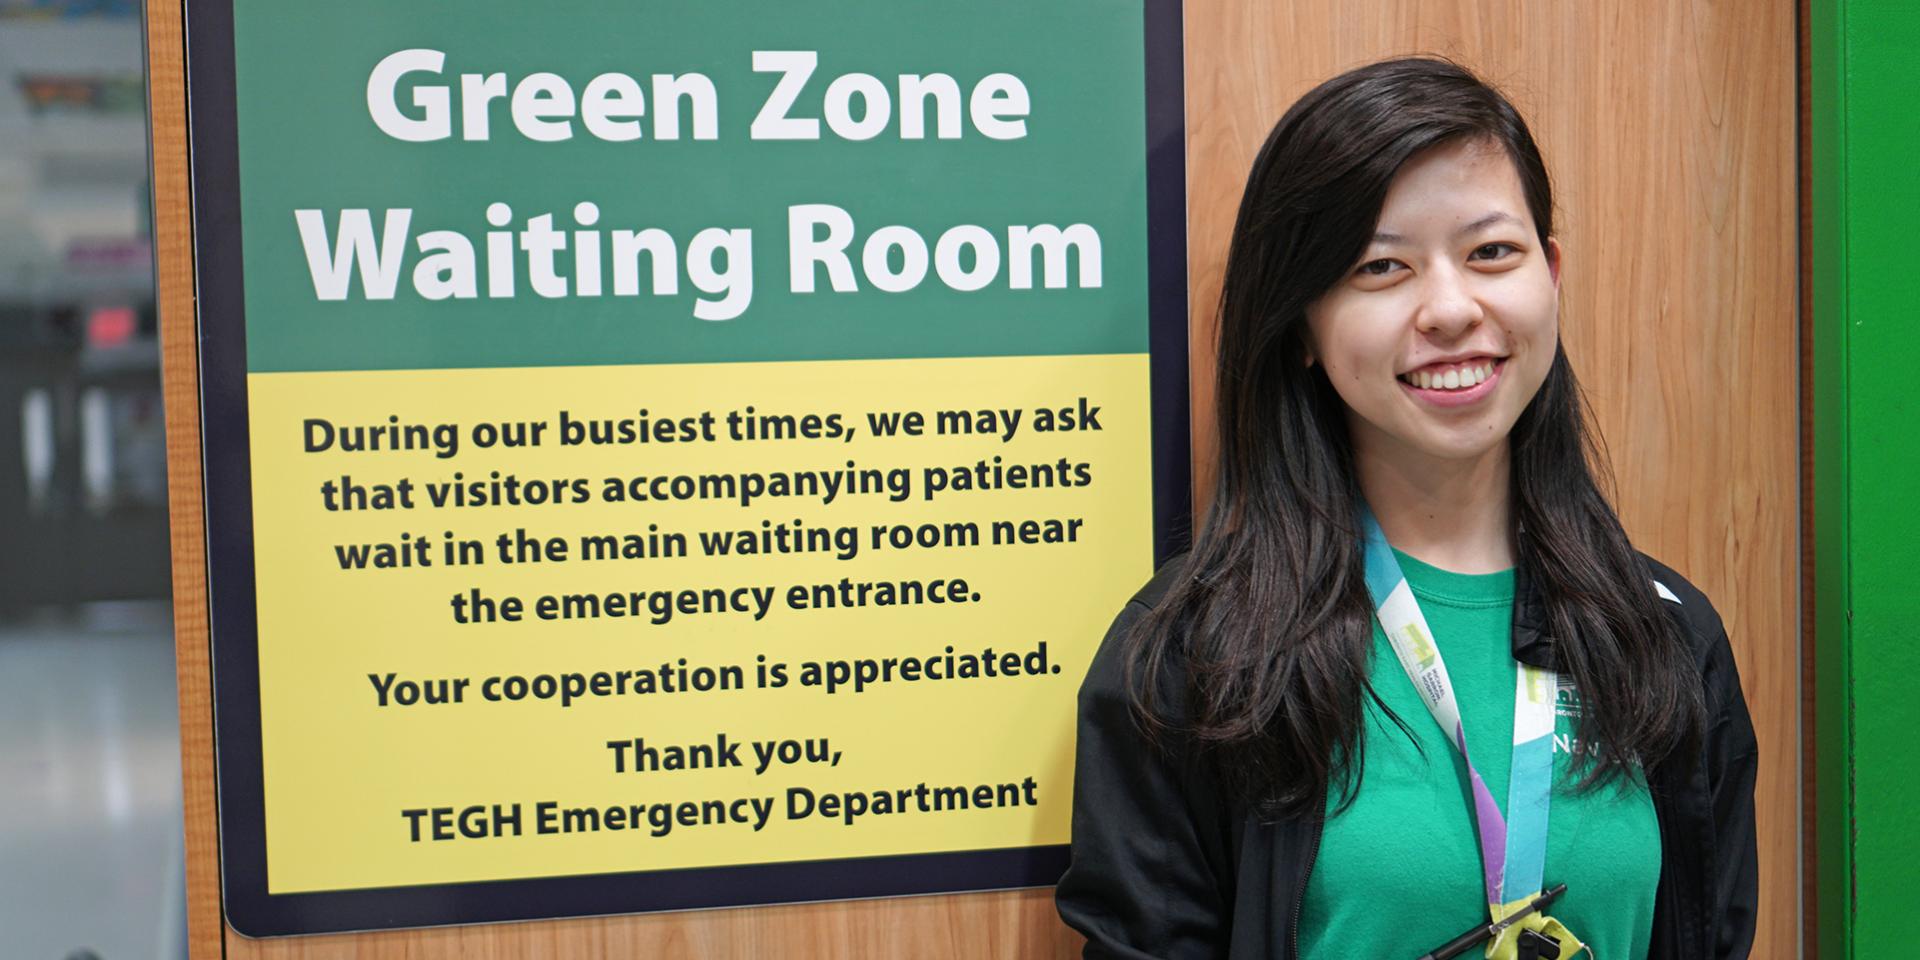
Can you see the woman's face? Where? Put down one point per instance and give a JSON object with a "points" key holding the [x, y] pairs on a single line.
{"points": [[1445, 329]]}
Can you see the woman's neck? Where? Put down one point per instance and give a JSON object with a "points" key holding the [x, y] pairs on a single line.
{"points": [[1453, 514]]}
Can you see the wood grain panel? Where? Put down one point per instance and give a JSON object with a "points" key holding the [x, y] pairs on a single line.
{"points": [[994, 926], [1669, 128], [180, 395]]}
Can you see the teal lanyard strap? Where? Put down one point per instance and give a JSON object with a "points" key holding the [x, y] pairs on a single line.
{"points": [[1513, 847]]}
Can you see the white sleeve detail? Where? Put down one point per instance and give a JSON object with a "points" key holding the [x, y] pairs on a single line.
{"points": [[1665, 594]]}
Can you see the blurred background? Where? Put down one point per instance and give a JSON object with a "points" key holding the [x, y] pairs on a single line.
{"points": [[90, 836]]}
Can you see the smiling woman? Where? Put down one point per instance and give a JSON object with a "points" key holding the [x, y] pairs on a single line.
{"points": [[1405, 521]]}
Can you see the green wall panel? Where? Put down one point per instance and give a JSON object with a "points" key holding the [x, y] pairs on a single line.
{"points": [[1866, 170]]}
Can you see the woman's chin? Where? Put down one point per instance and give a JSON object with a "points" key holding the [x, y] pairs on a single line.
{"points": [[1460, 446]]}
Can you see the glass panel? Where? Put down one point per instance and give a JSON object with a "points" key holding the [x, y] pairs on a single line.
{"points": [[91, 861]]}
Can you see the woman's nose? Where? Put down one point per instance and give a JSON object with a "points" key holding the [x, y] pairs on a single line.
{"points": [[1447, 305]]}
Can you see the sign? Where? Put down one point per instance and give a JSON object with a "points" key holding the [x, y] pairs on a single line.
{"points": [[673, 455]]}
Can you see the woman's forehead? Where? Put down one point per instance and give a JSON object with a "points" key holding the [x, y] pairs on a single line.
{"points": [[1452, 187]]}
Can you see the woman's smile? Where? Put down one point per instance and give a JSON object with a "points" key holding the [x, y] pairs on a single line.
{"points": [[1459, 384]]}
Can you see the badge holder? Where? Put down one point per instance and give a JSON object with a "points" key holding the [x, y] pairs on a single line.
{"points": [[1533, 946], [1537, 946]]}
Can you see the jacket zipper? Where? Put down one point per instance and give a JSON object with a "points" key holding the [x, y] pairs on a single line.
{"points": [[1300, 900]]}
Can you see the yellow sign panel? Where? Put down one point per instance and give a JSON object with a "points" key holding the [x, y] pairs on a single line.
{"points": [[524, 623]]}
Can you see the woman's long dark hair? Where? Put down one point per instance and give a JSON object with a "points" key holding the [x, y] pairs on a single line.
{"points": [[1267, 627]]}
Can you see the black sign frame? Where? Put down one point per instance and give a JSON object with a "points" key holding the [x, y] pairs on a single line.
{"points": [[221, 328]]}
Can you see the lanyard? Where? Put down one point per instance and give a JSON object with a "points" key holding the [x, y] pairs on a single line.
{"points": [[1513, 848]]}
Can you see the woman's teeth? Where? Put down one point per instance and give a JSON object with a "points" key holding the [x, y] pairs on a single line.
{"points": [[1459, 378]]}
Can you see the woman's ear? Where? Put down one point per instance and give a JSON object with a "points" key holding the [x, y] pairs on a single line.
{"points": [[1553, 260]]}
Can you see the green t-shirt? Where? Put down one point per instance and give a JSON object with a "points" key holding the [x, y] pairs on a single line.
{"points": [[1398, 871]]}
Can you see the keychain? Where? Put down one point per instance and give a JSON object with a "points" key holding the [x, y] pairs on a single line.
{"points": [[1532, 944]]}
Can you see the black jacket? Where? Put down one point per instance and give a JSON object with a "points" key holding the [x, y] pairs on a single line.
{"points": [[1166, 866]]}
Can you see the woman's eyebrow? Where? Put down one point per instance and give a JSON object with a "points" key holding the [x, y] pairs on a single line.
{"points": [[1485, 222], [1390, 238]]}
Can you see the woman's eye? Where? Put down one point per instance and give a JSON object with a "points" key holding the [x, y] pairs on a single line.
{"points": [[1493, 251], [1375, 268]]}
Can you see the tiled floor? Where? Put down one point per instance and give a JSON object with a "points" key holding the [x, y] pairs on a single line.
{"points": [[90, 838]]}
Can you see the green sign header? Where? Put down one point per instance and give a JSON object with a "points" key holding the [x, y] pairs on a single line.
{"points": [[505, 187]]}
